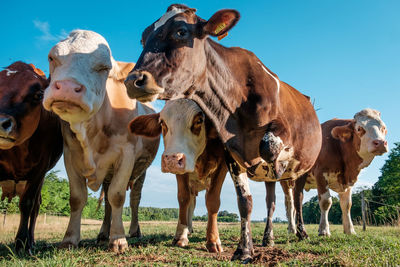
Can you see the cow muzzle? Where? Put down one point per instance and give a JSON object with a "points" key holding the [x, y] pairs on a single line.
{"points": [[379, 147], [142, 86], [65, 96], [8, 128], [174, 163]]}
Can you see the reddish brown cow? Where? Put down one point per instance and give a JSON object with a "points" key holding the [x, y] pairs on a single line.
{"points": [[348, 146], [195, 154], [30, 143], [270, 130]]}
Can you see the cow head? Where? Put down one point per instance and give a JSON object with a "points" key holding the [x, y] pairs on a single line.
{"points": [[175, 52], [21, 93], [80, 68], [183, 126], [367, 131]]}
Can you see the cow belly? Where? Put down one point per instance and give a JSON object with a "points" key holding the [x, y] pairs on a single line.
{"points": [[264, 172], [311, 183]]}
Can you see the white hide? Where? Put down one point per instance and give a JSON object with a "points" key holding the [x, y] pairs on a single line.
{"points": [[83, 57], [290, 211], [345, 205], [9, 72], [325, 203], [178, 116], [375, 129], [278, 84], [174, 11]]}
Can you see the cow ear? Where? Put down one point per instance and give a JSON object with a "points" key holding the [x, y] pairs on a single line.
{"points": [[123, 70], [221, 22], [146, 125], [38, 71], [343, 133]]}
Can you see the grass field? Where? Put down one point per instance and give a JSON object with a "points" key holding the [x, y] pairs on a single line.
{"points": [[378, 246]]}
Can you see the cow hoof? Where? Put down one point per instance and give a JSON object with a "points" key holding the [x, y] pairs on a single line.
{"points": [[214, 248], [102, 239], [182, 242], [244, 256], [136, 234], [67, 245], [119, 245], [327, 234], [268, 242], [302, 235]]}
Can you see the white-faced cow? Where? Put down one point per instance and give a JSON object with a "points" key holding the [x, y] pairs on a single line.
{"points": [[30, 143], [195, 154], [348, 146], [88, 93], [270, 129]]}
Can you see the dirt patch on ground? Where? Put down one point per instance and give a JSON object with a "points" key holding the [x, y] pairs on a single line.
{"points": [[267, 256]]}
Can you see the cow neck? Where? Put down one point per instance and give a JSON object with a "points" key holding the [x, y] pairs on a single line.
{"points": [[86, 132], [222, 91], [352, 162]]}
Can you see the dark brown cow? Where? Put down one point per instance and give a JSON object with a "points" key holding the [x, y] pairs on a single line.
{"points": [[254, 112], [195, 154], [348, 146], [30, 143]]}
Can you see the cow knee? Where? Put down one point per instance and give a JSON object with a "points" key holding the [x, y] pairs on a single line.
{"points": [[116, 199], [76, 203], [183, 198]]}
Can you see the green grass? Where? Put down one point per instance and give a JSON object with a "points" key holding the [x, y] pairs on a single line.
{"points": [[378, 246]]}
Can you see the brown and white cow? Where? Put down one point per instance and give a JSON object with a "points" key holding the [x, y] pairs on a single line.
{"points": [[270, 129], [195, 154], [30, 143], [348, 146], [88, 93]]}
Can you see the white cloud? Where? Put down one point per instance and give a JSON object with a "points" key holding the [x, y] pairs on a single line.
{"points": [[46, 35]]}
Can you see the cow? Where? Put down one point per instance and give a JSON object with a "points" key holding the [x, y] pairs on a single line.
{"points": [[195, 154], [87, 92], [348, 146], [269, 129], [30, 144]]}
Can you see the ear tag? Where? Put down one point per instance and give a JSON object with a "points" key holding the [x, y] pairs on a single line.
{"points": [[220, 27], [222, 36]]}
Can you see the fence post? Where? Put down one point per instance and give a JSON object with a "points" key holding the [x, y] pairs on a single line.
{"points": [[363, 209], [4, 219], [45, 215]]}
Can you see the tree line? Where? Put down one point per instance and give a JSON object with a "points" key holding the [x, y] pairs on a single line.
{"points": [[383, 199], [55, 201]]}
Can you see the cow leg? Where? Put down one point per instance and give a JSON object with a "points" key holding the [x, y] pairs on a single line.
{"points": [[298, 204], [268, 239], [27, 207], [192, 206], [213, 203], [135, 195], [182, 229], [104, 235], [77, 201], [33, 218], [345, 205], [116, 196], [325, 203], [289, 205]]}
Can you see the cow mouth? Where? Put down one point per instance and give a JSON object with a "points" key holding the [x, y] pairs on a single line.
{"points": [[7, 142], [7, 139], [66, 106]]}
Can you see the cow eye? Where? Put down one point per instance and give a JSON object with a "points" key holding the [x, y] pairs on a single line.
{"points": [[359, 129], [50, 59], [101, 68], [38, 96], [199, 121], [181, 33]]}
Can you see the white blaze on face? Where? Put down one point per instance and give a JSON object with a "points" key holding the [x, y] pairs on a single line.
{"points": [[178, 117], [368, 122], [84, 57], [174, 11], [9, 72]]}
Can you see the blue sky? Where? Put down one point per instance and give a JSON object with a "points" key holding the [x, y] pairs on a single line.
{"points": [[344, 54]]}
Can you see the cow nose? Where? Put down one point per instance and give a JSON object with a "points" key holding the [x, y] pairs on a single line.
{"points": [[7, 124], [69, 86], [380, 146], [140, 79], [174, 163], [378, 143]]}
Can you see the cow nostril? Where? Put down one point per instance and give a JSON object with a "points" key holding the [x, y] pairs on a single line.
{"points": [[78, 89], [141, 80], [57, 85], [6, 125], [181, 162], [385, 143]]}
